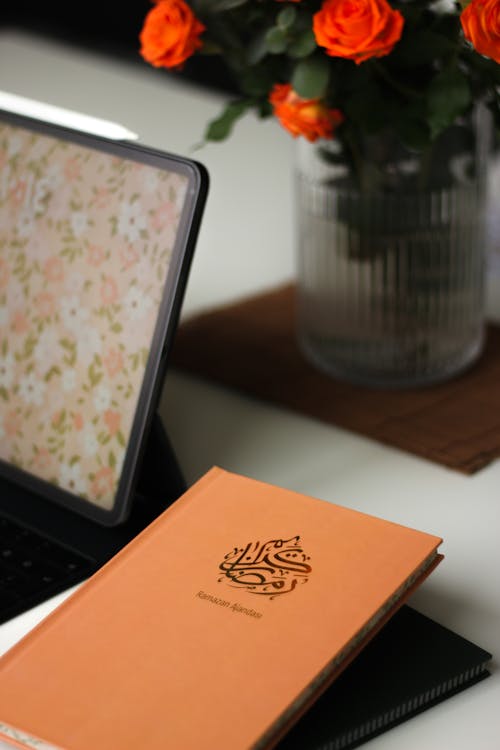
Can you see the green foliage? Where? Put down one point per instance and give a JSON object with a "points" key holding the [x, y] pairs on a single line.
{"points": [[311, 76], [448, 96], [221, 127], [426, 84]]}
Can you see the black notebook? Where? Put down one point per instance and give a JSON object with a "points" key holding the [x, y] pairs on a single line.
{"points": [[412, 664]]}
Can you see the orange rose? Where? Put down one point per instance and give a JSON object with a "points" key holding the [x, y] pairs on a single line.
{"points": [[310, 118], [481, 25], [170, 34], [357, 29]]}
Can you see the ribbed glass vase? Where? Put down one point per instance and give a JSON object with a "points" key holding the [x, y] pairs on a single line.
{"points": [[390, 277]]}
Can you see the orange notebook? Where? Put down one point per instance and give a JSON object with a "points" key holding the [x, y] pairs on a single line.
{"points": [[216, 627]]}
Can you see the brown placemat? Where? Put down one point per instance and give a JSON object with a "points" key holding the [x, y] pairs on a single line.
{"points": [[250, 346]]}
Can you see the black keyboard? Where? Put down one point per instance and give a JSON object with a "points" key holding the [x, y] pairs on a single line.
{"points": [[34, 568]]}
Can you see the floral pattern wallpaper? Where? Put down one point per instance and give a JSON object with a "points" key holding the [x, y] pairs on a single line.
{"points": [[85, 247]]}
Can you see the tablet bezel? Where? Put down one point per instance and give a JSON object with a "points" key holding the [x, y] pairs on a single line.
{"points": [[167, 318]]}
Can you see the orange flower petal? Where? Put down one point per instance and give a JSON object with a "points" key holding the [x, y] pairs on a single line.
{"points": [[357, 29], [170, 34]]}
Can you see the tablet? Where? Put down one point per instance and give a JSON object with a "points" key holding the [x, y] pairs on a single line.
{"points": [[96, 239]]}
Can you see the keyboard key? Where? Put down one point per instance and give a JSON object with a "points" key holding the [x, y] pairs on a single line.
{"points": [[32, 568], [61, 556]]}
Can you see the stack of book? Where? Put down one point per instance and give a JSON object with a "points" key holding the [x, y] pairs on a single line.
{"points": [[246, 616]]}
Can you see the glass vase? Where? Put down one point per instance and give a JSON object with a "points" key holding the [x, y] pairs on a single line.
{"points": [[391, 258]]}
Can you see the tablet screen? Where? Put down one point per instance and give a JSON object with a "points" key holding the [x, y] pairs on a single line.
{"points": [[93, 242]]}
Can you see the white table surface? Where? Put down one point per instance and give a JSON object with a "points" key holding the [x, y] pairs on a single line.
{"points": [[245, 245]]}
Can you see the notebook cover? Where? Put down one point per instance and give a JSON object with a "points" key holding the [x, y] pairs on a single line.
{"points": [[409, 666], [216, 627]]}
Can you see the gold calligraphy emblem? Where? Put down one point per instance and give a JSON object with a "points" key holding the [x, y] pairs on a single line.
{"points": [[271, 568]]}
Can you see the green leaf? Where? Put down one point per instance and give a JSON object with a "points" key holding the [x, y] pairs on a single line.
{"points": [[286, 17], [256, 49], [311, 76], [276, 40], [303, 45], [448, 97], [221, 127]]}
